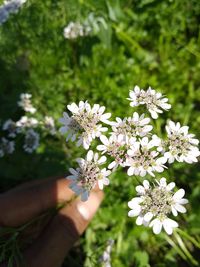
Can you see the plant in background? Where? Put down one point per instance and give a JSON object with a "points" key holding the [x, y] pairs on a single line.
{"points": [[9, 7], [27, 126], [132, 145]]}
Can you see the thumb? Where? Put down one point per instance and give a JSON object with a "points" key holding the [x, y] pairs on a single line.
{"points": [[65, 229]]}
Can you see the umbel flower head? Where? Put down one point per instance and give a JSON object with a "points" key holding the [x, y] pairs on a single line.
{"points": [[25, 103], [84, 178], [154, 205], [84, 122], [144, 157], [153, 100], [181, 145], [135, 126]]}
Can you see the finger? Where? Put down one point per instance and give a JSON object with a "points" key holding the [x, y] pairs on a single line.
{"points": [[24, 203], [63, 232]]}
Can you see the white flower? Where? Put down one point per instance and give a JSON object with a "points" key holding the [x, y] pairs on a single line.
{"points": [[49, 124], [157, 203], [31, 141], [11, 127], [26, 122], [84, 178], [25, 103], [84, 122], [6, 147], [181, 145], [143, 158], [132, 126], [74, 29], [8, 7], [116, 147], [105, 259], [153, 100]]}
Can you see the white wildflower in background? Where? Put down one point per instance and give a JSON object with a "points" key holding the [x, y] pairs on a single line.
{"points": [[25, 103], [153, 100], [154, 204], [8, 7], [105, 259], [10, 127], [84, 178], [116, 147], [74, 29], [31, 141], [84, 122], [26, 122], [135, 126], [6, 147], [144, 158], [181, 145], [49, 124]]}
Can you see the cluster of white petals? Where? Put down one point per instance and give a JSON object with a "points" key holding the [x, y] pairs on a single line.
{"points": [[84, 123], [6, 147], [49, 124], [144, 158], [88, 174], [25, 103], [31, 142], [116, 147], [9, 7], [105, 259], [181, 145], [154, 101], [75, 29], [154, 205], [135, 126], [26, 122], [27, 126]]}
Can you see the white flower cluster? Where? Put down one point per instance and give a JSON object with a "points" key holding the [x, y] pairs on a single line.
{"points": [[75, 29], [25, 103], [132, 144], [153, 100], [154, 204], [27, 126], [105, 259], [84, 123], [9, 7]]}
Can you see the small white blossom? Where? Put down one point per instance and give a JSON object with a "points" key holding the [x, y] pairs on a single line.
{"points": [[26, 122], [31, 141], [25, 103], [49, 124], [144, 158], [74, 29], [132, 126], [105, 259], [8, 7], [116, 147], [6, 147], [181, 145], [11, 127], [84, 122], [157, 203], [84, 178], [153, 100]]}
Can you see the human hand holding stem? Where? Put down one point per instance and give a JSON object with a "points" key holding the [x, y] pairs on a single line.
{"points": [[24, 203]]}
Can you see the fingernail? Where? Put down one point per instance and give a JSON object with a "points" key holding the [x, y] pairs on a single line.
{"points": [[88, 209]]}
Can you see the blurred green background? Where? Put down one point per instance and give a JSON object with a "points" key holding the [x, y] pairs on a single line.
{"points": [[146, 42]]}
